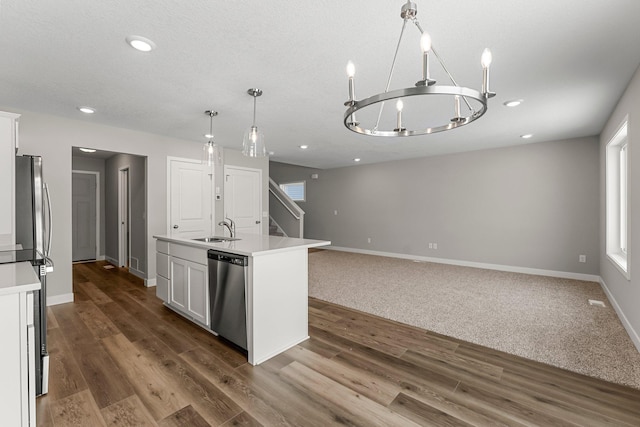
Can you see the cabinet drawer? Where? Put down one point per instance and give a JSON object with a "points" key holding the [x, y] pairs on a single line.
{"points": [[162, 264], [162, 246], [197, 255]]}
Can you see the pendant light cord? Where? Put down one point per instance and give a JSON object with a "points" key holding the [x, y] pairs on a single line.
{"points": [[211, 126], [254, 110]]}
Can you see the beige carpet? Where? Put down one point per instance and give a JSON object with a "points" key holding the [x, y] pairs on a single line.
{"points": [[541, 318]]}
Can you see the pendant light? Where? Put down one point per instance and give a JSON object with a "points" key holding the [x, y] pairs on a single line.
{"points": [[208, 151], [253, 141]]}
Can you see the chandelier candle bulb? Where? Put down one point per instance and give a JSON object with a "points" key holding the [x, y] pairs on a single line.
{"points": [[457, 106], [351, 71], [486, 58], [425, 44], [399, 107], [485, 61]]}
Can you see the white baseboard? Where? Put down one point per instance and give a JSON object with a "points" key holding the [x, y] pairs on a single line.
{"points": [[59, 299], [498, 267], [625, 322], [149, 283], [111, 260], [100, 258]]}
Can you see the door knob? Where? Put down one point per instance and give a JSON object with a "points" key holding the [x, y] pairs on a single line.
{"points": [[257, 222], [175, 226]]}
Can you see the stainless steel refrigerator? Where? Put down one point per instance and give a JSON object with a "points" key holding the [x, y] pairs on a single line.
{"points": [[33, 242]]}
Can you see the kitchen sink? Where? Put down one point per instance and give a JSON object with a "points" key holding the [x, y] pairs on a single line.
{"points": [[215, 239]]}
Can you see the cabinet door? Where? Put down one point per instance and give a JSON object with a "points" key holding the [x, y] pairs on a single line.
{"points": [[162, 288], [13, 363], [198, 292], [7, 166], [178, 284]]}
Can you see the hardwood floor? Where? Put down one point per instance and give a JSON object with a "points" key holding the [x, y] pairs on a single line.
{"points": [[118, 357]]}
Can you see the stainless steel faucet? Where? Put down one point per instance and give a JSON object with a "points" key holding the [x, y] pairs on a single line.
{"points": [[230, 224]]}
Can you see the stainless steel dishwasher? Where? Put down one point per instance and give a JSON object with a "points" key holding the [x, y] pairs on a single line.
{"points": [[227, 278]]}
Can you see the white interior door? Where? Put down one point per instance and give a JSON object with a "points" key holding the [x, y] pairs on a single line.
{"points": [[190, 186], [243, 198], [84, 216]]}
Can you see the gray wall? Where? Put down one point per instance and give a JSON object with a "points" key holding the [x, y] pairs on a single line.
{"points": [[530, 206], [624, 293], [94, 165], [138, 209]]}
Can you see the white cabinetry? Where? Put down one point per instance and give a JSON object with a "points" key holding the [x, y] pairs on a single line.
{"points": [[8, 144], [183, 279], [17, 335]]}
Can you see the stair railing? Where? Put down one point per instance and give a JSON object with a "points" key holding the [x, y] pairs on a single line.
{"points": [[285, 211]]}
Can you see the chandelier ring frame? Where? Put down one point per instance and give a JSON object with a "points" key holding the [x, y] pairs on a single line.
{"points": [[464, 92]]}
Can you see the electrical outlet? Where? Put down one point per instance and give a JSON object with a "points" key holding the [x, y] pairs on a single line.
{"points": [[430, 245], [335, 212], [582, 258], [435, 246], [368, 239]]}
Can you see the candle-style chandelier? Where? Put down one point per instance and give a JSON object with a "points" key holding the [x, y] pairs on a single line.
{"points": [[475, 102]]}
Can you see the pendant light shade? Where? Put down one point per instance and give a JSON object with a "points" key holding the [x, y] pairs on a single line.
{"points": [[209, 148], [253, 142]]}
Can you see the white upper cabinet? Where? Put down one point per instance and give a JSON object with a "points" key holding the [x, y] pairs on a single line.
{"points": [[8, 145]]}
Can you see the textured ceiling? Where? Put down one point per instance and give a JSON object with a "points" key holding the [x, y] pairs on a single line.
{"points": [[569, 60]]}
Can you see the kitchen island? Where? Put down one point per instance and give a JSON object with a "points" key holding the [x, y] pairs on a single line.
{"points": [[276, 286]]}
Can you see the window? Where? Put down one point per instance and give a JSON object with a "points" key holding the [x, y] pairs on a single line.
{"points": [[617, 174], [295, 190]]}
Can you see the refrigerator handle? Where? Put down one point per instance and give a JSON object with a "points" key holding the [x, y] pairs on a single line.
{"points": [[49, 229]]}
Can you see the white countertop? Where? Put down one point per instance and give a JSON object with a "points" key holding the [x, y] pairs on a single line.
{"points": [[249, 244], [18, 277]]}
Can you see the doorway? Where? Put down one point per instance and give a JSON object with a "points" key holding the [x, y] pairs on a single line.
{"points": [[124, 215], [122, 198]]}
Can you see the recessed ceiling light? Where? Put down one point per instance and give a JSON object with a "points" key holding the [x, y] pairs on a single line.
{"points": [[87, 110], [357, 159], [142, 44], [304, 147], [513, 103], [526, 136], [88, 150], [271, 153]]}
